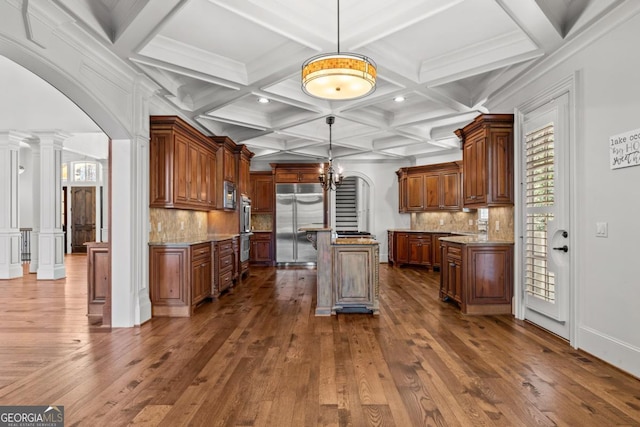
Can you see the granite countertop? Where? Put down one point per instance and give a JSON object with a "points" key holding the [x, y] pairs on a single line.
{"points": [[354, 241], [210, 238], [411, 230], [478, 239]]}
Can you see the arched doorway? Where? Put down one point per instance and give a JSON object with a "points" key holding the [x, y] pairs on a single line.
{"points": [[115, 98]]}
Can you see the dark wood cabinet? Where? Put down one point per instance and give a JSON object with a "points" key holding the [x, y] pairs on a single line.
{"points": [[226, 166], [436, 250], [401, 246], [402, 190], [420, 249], [182, 166], [261, 251], [99, 283], [244, 165], [201, 272], [487, 157], [479, 277], [224, 259], [451, 272], [262, 192], [296, 172], [430, 188], [179, 278], [414, 247]]}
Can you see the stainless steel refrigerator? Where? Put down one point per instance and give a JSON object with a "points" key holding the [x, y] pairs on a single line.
{"points": [[297, 205]]}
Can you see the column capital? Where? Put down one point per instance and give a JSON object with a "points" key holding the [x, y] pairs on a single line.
{"points": [[57, 137], [14, 137]]}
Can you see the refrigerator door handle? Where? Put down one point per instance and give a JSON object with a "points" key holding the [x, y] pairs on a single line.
{"points": [[294, 231]]}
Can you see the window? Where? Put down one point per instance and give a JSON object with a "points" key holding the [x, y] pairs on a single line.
{"points": [[84, 172]]}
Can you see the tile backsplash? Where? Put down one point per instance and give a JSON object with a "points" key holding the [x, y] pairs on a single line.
{"points": [[499, 226], [503, 218], [176, 224], [444, 221], [262, 222]]}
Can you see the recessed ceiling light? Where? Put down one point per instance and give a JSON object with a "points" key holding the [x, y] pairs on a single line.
{"points": [[263, 100], [399, 98]]}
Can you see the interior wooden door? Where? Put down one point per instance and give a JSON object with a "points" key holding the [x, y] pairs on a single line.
{"points": [[83, 217]]}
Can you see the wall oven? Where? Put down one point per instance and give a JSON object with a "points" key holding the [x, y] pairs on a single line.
{"points": [[245, 214]]}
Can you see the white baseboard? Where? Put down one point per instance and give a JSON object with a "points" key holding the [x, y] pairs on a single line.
{"points": [[622, 355]]}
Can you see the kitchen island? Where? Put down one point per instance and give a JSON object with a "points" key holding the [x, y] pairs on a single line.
{"points": [[347, 273]]}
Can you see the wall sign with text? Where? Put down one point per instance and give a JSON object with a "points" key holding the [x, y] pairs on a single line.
{"points": [[624, 149]]}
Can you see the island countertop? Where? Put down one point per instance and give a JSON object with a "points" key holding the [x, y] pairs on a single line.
{"points": [[355, 241], [478, 239]]}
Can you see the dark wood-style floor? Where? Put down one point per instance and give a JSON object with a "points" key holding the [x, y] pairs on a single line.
{"points": [[259, 357]]}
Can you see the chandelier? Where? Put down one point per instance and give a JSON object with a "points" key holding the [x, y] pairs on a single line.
{"points": [[330, 178], [339, 76]]}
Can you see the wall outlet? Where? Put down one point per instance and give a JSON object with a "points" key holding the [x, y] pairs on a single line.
{"points": [[159, 227], [470, 222], [442, 222], [181, 225], [497, 225], [602, 229]]}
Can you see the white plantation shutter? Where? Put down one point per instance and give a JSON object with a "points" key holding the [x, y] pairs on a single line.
{"points": [[539, 208]]}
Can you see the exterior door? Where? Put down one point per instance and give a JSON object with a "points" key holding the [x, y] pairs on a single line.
{"points": [[546, 263], [83, 217]]}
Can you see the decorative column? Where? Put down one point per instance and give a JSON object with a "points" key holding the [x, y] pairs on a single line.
{"points": [[10, 261], [51, 238], [34, 143]]}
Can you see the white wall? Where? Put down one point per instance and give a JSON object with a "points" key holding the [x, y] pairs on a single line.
{"points": [[608, 103], [384, 195]]}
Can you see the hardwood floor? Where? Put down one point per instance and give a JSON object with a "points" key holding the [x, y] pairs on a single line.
{"points": [[259, 357]]}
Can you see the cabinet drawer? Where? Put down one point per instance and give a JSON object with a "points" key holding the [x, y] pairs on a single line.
{"points": [[226, 247], [226, 261], [454, 252], [201, 251], [226, 279]]}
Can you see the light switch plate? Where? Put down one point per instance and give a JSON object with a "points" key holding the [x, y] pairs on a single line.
{"points": [[602, 229]]}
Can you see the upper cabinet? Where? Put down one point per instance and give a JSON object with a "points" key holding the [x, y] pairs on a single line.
{"points": [[430, 188], [226, 158], [262, 192], [296, 172], [233, 166], [182, 166], [244, 164], [487, 158]]}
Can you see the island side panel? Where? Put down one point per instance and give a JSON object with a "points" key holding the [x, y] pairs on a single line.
{"points": [[324, 273]]}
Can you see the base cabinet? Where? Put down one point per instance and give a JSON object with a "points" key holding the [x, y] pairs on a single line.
{"points": [[414, 248], [224, 261], [356, 278], [180, 278], [261, 252], [99, 283], [478, 277]]}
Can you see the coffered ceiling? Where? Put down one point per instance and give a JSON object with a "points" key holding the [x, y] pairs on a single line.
{"points": [[214, 59]]}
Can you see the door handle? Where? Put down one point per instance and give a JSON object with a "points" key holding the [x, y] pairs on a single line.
{"points": [[564, 248]]}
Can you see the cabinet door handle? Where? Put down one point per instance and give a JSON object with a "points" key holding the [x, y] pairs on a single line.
{"points": [[452, 264], [564, 248]]}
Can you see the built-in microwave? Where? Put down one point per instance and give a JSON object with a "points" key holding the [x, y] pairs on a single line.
{"points": [[229, 201]]}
